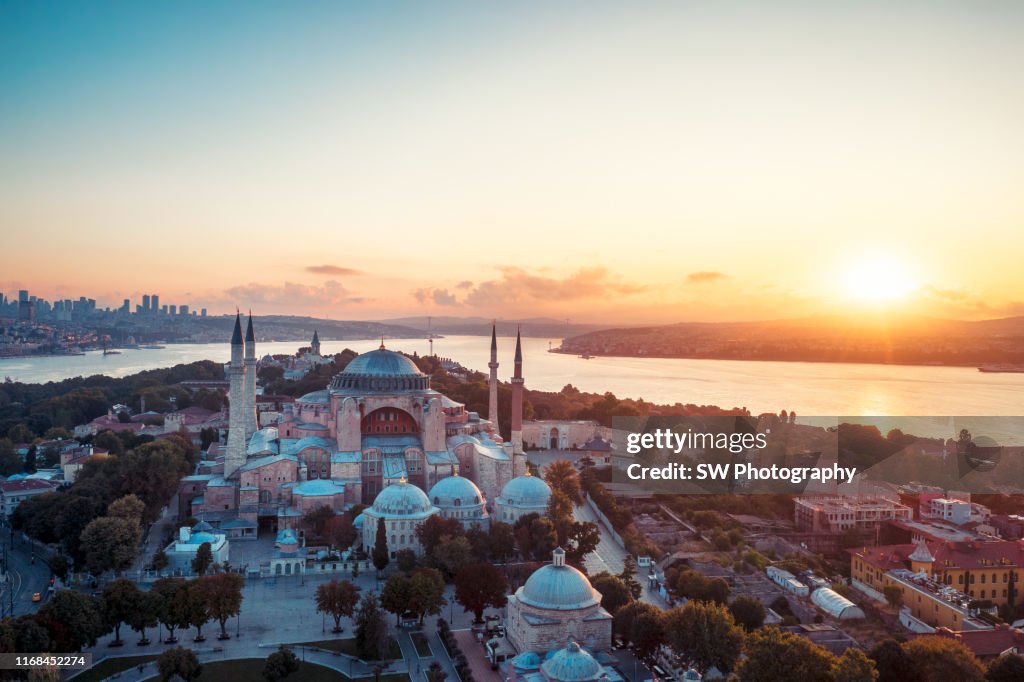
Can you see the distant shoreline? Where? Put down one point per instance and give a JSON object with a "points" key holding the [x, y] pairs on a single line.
{"points": [[817, 361]]}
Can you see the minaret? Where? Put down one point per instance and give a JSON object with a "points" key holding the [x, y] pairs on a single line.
{"points": [[250, 381], [234, 457], [517, 406], [314, 347], [492, 404]]}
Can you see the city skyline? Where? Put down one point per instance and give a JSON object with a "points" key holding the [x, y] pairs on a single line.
{"points": [[605, 163]]}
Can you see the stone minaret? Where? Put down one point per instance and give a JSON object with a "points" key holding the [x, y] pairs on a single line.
{"points": [[234, 457], [517, 406], [492, 404], [250, 381]]}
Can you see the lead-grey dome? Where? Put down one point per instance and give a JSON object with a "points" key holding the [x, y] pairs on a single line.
{"points": [[401, 499], [572, 664], [381, 370], [558, 587], [526, 491], [455, 491]]}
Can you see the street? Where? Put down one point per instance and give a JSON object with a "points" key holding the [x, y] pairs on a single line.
{"points": [[26, 577]]}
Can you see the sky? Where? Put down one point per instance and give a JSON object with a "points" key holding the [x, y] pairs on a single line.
{"points": [[630, 162]]}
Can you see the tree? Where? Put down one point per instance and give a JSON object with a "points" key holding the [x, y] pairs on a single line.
{"points": [[893, 663], [614, 592], [435, 673], [748, 612], [941, 659], [178, 663], [145, 614], [642, 625], [223, 594], [120, 598], [316, 519], [380, 553], [396, 595], [562, 476], [160, 560], [501, 540], [128, 507], [1007, 668], [426, 592], [280, 664], [705, 634], [338, 599], [434, 529], [73, 619], [583, 538], [406, 560], [10, 462], [893, 595], [560, 512], [452, 553], [110, 544], [203, 559], [340, 532], [108, 440], [773, 654], [173, 609], [479, 586], [854, 666], [196, 605], [371, 630]]}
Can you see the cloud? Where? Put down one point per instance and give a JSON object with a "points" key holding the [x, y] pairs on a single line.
{"points": [[335, 270], [518, 285], [705, 277], [438, 296], [290, 295]]}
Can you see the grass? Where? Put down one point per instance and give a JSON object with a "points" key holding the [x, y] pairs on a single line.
{"points": [[248, 669], [423, 649], [348, 646], [112, 666]]}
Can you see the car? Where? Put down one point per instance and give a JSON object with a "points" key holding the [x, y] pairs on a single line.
{"points": [[36, 597]]}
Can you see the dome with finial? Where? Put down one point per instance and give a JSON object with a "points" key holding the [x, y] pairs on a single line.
{"points": [[921, 553], [572, 664], [526, 491], [381, 370], [402, 499], [558, 587]]}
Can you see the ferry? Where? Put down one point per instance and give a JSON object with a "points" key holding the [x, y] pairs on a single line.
{"points": [[1012, 369]]}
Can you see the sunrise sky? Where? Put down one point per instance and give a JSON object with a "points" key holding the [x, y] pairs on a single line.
{"points": [[601, 161]]}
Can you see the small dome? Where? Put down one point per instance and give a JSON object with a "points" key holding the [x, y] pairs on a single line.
{"points": [[558, 587], [526, 491], [455, 491], [401, 499], [921, 553], [572, 664], [320, 397], [201, 527], [384, 363], [200, 538]]}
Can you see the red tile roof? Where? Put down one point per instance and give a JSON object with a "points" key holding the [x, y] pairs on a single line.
{"points": [[25, 484], [948, 555], [985, 643]]}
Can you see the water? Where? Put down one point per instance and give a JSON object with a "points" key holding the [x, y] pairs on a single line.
{"points": [[808, 388]]}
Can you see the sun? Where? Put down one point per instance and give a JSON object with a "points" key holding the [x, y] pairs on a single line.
{"points": [[879, 279]]}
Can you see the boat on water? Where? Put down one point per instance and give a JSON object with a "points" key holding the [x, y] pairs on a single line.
{"points": [[587, 356], [152, 346], [1012, 369], [111, 352]]}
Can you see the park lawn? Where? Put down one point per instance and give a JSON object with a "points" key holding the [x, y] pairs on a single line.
{"points": [[248, 669], [112, 666], [423, 649], [348, 646]]}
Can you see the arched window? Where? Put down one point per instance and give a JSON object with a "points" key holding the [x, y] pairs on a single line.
{"points": [[264, 496]]}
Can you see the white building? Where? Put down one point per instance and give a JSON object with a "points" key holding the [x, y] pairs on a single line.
{"points": [[522, 495], [458, 498], [181, 552], [13, 492]]}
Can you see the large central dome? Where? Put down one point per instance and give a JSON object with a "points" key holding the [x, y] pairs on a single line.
{"points": [[381, 370]]}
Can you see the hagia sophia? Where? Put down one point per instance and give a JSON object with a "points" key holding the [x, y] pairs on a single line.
{"points": [[377, 435]]}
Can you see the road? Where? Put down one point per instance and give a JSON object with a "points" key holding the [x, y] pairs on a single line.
{"points": [[26, 577]]}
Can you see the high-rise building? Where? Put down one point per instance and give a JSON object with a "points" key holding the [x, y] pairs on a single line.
{"points": [[156, 302], [172, 309], [203, 312], [145, 302], [183, 310]]}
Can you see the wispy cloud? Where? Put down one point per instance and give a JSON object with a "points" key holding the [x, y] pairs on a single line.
{"points": [[333, 270], [705, 277], [438, 296]]}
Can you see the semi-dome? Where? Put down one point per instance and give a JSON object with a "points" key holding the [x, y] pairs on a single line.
{"points": [[381, 370], [401, 499], [558, 587], [455, 491], [572, 664], [526, 491]]}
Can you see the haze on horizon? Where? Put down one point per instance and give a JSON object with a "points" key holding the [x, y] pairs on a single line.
{"points": [[598, 161]]}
